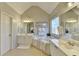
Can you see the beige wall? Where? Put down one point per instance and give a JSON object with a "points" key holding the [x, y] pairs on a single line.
{"points": [[36, 14], [4, 8]]}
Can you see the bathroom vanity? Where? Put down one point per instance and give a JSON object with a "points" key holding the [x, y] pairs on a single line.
{"points": [[53, 47]]}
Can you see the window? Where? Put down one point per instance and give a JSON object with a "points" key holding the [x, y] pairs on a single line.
{"points": [[55, 25]]}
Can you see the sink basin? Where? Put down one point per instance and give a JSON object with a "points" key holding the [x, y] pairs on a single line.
{"points": [[70, 47], [70, 44]]}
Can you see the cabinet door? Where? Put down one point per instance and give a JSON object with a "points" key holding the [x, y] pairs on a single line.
{"points": [[35, 43], [58, 52], [42, 45], [51, 48], [55, 51]]}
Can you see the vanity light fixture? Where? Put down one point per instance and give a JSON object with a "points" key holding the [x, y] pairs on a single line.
{"points": [[27, 21], [70, 4], [44, 24], [71, 21]]}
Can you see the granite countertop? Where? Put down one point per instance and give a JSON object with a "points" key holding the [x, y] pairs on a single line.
{"points": [[68, 52]]}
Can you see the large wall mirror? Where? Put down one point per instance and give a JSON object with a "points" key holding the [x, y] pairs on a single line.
{"points": [[29, 27], [25, 27], [70, 23]]}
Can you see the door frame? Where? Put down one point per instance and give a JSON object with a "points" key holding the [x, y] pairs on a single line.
{"points": [[10, 27]]}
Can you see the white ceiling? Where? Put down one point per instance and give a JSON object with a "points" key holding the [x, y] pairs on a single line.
{"points": [[20, 7]]}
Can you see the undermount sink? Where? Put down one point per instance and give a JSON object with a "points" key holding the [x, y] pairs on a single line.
{"points": [[70, 44]]}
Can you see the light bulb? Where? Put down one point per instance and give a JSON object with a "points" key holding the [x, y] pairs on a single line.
{"points": [[70, 4]]}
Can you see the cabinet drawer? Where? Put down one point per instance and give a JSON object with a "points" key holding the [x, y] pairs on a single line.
{"points": [[58, 52]]}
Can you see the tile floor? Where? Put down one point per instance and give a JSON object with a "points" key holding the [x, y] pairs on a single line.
{"points": [[25, 52]]}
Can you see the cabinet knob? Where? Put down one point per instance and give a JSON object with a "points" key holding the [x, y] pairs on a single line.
{"points": [[9, 34], [56, 46], [74, 55]]}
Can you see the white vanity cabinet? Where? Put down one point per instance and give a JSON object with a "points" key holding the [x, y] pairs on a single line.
{"points": [[55, 51]]}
